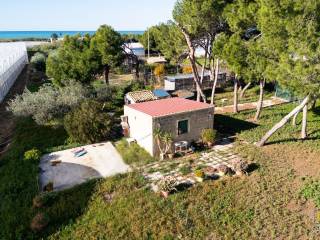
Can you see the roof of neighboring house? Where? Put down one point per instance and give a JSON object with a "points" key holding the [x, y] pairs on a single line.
{"points": [[161, 93], [142, 96], [169, 106], [152, 60], [183, 94], [183, 76]]}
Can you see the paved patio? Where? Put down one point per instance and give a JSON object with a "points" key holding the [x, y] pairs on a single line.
{"points": [[101, 160], [183, 169]]}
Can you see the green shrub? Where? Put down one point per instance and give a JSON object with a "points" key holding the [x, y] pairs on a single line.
{"points": [[32, 155], [133, 153], [88, 123], [38, 61], [208, 135], [185, 170], [49, 102], [312, 191]]}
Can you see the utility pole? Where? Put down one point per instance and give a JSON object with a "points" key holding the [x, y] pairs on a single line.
{"points": [[148, 44]]}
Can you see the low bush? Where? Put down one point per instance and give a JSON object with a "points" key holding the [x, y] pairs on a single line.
{"points": [[38, 61], [32, 155], [312, 191], [49, 102], [209, 135], [88, 123], [133, 153]]}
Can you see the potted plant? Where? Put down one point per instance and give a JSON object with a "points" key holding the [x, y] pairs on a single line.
{"points": [[199, 175], [167, 185], [209, 136]]}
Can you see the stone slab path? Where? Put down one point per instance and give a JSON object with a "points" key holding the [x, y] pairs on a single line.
{"points": [[183, 169]]}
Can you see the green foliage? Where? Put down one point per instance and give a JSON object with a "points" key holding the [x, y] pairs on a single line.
{"points": [[49, 102], [167, 39], [89, 123], [73, 60], [185, 170], [32, 155], [208, 135], [133, 154], [38, 61], [312, 191], [18, 178], [201, 17], [107, 45]]}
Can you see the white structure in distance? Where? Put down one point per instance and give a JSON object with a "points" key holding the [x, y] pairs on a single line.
{"points": [[13, 58], [135, 48]]}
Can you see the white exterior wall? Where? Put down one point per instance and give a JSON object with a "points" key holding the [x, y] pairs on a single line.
{"points": [[13, 58], [169, 86], [140, 125]]}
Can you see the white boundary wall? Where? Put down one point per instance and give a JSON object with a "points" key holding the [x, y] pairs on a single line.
{"points": [[13, 58]]}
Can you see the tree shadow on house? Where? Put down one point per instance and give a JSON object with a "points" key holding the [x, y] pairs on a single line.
{"points": [[230, 125]]}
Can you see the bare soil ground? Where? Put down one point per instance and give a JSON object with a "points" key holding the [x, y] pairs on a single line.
{"points": [[303, 164], [249, 106], [6, 117]]}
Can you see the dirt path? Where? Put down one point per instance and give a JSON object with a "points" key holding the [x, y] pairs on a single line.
{"points": [[6, 117], [249, 106]]}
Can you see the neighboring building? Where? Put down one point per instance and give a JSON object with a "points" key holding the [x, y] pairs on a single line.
{"points": [[135, 48], [139, 96], [183, 94], [184, 119], [161, 93], [156, 60], [185, 82]]}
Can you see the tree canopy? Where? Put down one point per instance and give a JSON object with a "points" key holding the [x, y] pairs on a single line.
{"points": [[73, 60]]}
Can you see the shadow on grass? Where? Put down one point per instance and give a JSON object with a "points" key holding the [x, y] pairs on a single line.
{"points": [[290, 140], [231, 125], [62, 208]]}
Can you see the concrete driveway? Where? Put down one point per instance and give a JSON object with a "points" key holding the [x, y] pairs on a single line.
{"points": [[101, 160]]}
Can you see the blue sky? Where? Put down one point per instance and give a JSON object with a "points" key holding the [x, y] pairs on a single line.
{"points": [[83, 14]]}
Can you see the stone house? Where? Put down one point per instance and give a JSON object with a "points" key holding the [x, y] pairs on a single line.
{"points": [[183, 119]]}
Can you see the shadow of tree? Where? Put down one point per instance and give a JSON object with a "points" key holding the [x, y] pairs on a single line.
{"points": [[288, 140], [64, 207], [231, 125]]}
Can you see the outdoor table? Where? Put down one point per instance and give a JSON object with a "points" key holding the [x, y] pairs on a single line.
{"points": [[181, 146]]}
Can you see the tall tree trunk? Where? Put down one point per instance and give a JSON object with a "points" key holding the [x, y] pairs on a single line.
{"points": [[216, 75], [304, 133], [137, 69], [280, 124], [106, 73], [260, 102], [244, 90], [193, 65], [235, 95]]}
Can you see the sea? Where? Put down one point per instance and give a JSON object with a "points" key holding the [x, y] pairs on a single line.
{"points": [[47, 34]]}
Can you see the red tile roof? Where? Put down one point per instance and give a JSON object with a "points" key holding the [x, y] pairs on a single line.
{"points": [[169, 106]]}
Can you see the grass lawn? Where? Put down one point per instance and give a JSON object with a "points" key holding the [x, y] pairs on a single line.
{"points": [[268, 204]]}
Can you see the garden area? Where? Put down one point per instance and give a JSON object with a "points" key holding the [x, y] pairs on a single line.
{"points": [[256, 175]]}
